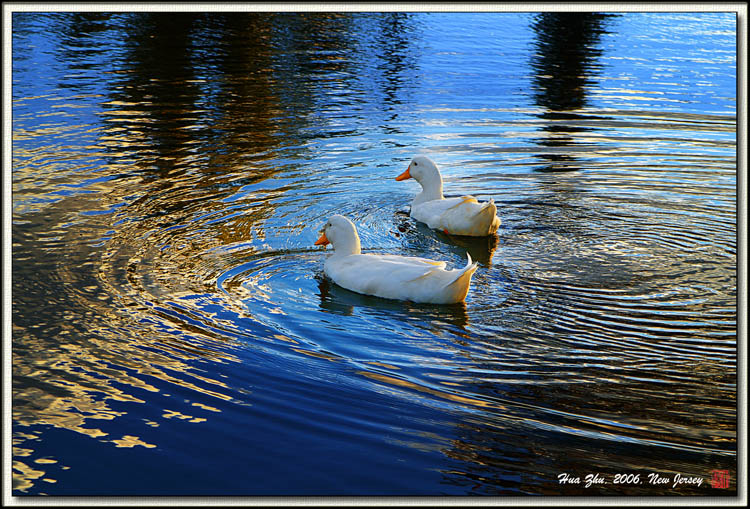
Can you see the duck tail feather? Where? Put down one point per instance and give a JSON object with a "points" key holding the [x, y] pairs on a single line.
{"points": [[488, 208], [465, 272]]}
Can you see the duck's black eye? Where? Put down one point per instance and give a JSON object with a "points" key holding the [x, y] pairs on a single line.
{"points": [[416, 163]]}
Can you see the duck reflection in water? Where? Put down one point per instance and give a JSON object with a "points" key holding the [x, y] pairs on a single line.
{"points": [[419, 236], [337, 300]]}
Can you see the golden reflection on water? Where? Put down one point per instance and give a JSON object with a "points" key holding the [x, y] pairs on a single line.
{"points": [[131, 441], [75, 374], [88, 390], [380, 377], [24, 475], [169, 414]]}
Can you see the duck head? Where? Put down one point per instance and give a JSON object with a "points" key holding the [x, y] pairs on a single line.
{"points": [[425, 171], [341, 234]]}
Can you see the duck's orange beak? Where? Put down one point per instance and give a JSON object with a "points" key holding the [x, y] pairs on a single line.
{"points": [[405, 175], [322, 241]]}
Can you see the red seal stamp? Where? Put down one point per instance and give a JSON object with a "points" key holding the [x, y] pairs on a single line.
{"points": [[720, 479]]}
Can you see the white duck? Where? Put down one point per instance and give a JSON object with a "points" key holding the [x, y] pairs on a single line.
{"points": [[390, 276], [459, 216]]}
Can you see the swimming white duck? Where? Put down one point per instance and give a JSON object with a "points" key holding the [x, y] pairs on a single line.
{"points": [[390, 276], [459, 216]]}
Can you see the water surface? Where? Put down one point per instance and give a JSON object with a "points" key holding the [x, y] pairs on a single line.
{"points": [[174, 334]]}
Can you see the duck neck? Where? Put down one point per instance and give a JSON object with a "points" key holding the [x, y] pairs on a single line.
{"points": [[348, 246], [432, 189]]}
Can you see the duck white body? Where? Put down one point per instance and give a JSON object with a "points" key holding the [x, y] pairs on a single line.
{"points": [[459, 216], [390, 276]]}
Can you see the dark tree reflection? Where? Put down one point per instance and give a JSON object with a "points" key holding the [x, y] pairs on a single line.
{"points": [[395, 51], [566, 57], [565, 65]]}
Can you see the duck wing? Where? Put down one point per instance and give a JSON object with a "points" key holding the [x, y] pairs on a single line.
{"points": [[460, 216], [390, 276], [416, 261]]}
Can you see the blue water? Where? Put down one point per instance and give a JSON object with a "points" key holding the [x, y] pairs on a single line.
{"points": [[173, 332]]}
